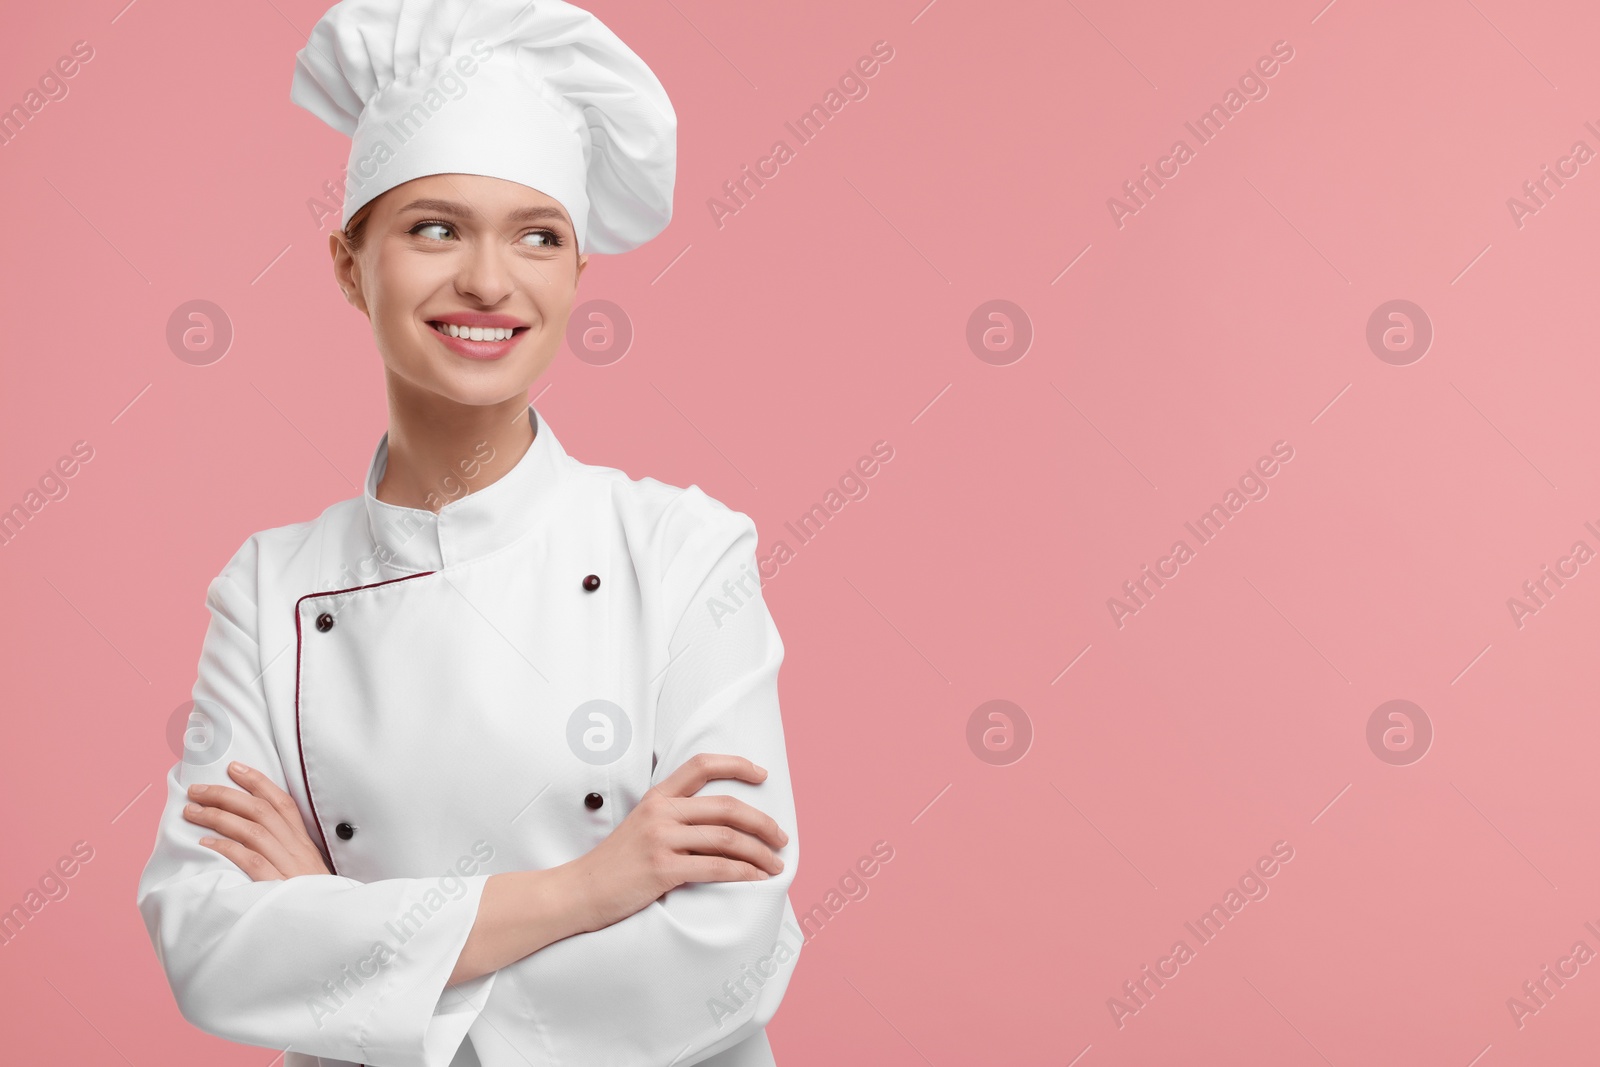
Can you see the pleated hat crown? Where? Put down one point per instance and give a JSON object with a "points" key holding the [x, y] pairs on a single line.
{"points": [[541, 93]]}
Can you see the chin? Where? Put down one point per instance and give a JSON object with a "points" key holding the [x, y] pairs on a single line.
{"points": [[475, 383], [484, 392]]}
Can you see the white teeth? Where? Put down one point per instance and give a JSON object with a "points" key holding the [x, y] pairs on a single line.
{"points": [[478, 333]]}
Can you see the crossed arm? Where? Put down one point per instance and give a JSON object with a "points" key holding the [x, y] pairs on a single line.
{"points": [[670, 838]]}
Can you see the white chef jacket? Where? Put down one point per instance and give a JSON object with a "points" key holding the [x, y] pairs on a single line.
{"points": [[441, 694]]}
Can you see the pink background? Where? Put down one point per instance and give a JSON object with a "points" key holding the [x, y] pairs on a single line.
{"points": [[832, 312]]}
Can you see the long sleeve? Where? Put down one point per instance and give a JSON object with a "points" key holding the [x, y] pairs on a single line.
{"points": [[705, 966], [321, 964]]}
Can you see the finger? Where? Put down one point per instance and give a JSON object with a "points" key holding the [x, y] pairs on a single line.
{"points": [[261, 802], [289, 827], [246, 805], [702, 767], [251, 863], [726, 842], [290, 849], [260, 785], [731, 811], [240, 828], [716, 869]]}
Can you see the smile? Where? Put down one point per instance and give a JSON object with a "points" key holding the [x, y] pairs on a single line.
{"points": [[478, 342], [477, 333]]}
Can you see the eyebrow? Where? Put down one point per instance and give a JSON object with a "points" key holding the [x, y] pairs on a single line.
{"points": [[521, 215]]}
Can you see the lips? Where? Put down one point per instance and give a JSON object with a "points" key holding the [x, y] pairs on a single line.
{"points": [[478, 336]]}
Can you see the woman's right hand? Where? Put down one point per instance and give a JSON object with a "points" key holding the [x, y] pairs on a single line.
{"points": [[672, 837]]}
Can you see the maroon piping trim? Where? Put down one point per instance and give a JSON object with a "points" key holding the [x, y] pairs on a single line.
{"points": [[299, 741]]}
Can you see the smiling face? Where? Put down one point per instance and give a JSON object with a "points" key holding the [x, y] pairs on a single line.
{"points": [[468, 282]]}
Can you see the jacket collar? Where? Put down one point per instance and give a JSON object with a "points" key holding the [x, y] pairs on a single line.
{"points": [[472, 526]]}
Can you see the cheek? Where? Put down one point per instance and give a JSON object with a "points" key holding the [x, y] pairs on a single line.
{"points": [[391, 324], [552, 297], [393, 299], [405, 272]]}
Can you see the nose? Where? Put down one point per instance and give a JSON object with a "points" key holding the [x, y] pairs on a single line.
{"points": [[485, 274]]}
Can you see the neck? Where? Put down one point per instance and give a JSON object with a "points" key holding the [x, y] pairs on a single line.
{"points": [[440, 450]]}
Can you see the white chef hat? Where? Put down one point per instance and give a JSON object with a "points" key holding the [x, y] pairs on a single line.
{"points": [[541, 93]]}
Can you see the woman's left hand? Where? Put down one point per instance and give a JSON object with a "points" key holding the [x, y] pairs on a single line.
{"points": [[261, 828]]}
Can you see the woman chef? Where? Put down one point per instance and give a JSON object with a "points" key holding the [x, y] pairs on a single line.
{"points": [[497, 779]]}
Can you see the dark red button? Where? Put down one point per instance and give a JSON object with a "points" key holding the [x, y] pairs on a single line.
{"points": [[324, 622], [593, 800], [592, 582]]}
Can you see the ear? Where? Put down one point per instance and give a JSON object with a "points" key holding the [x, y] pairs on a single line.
{"points": [[347, 271], [583, 261]]}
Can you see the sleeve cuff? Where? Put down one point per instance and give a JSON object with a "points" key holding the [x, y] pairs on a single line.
{"points": [[430, 1018], [458, 1008]]}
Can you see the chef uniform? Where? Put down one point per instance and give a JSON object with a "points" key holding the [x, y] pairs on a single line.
{"points": [[489, 688]]}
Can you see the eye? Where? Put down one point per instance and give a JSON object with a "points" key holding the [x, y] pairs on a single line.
{"points": [[431, 230], [548, 238]]}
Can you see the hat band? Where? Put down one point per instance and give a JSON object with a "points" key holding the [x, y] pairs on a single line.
{"points": [[461, 116]]}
